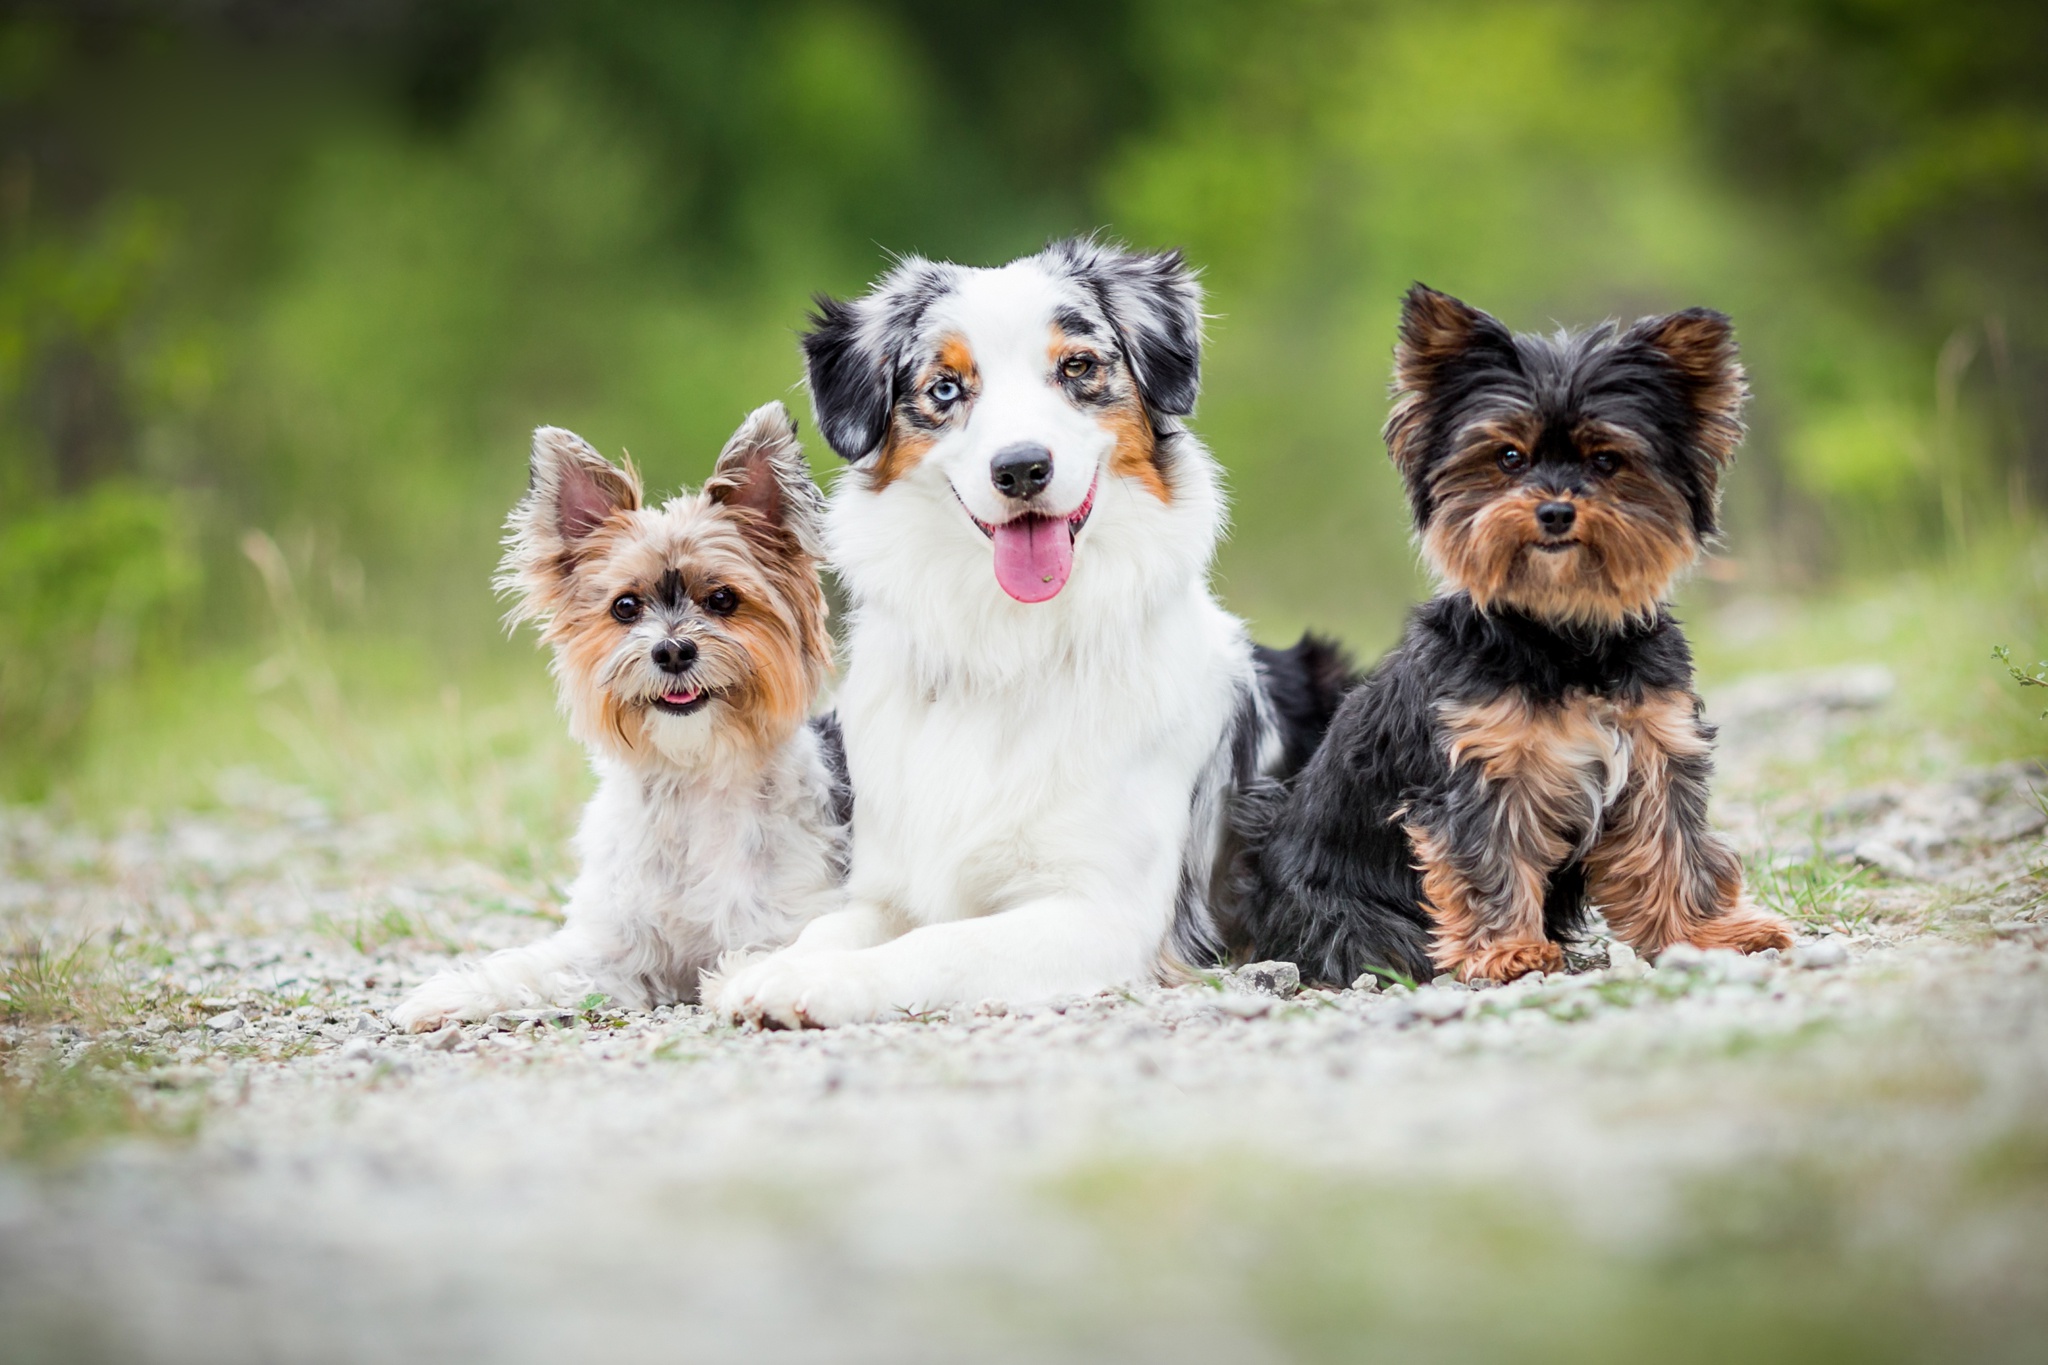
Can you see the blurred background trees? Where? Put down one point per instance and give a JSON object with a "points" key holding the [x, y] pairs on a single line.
{"points": [[313, 271]]}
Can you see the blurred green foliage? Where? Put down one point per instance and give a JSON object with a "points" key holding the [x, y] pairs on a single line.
{"points": [[315, 270]]}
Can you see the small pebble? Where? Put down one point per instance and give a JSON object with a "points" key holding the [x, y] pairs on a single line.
{"points": [[1820, 954], [229, 1022]]}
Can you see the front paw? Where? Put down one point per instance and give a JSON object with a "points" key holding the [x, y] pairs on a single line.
{"points": [[1504, 962], [1745, 928], [445, 997], [804, 990]]}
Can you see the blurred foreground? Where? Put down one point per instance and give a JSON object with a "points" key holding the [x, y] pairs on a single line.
{"points": [[223, 1154]]}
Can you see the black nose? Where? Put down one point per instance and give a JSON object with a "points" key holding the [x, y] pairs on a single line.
{"points": [[673, 656], [1021, 471], [1556, 517]]}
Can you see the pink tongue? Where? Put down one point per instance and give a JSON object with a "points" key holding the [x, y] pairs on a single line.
{"points": [[1034, 555]]}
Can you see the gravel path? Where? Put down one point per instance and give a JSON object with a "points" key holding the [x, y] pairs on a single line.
{"points": [[1844, 1150]]}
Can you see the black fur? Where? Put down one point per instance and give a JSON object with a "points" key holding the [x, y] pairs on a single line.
{"points": [[1153, 302], [832, 745], [1305, 685], [1328, 878], [858, 353], [850, 381], [1647, 379], [1328, 875]]}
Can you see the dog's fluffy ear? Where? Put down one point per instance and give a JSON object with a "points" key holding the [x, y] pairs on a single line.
{"points": [[1155, 303], [848, 369], [762, 471], [1699, 346], [851, 350], [1437, 331], [571, 491]]}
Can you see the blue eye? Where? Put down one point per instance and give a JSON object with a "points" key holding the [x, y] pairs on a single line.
{"points": [[944, 391]]}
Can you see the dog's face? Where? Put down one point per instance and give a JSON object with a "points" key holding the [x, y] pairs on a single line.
{"points": [[1569, 477], [1013, 391], [684, 631]]}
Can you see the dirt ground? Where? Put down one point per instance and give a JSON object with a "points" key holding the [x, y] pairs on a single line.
{"points": [[224, 1154]]}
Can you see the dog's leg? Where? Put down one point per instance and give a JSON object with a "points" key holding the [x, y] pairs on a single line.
{"points": [[1521, 775], [1032, 952], [1484, 888], [561, 967], [858, 926], [1658, 873]]}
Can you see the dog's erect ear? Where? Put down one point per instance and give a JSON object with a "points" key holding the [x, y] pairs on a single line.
{"points": [[762, 470], [1436, 331], [1699, 345], [1155, 302], [571, 490], [849, 374]]}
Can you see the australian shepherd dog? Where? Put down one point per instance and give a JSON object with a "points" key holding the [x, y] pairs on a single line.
{"points": [[1047, 714]]}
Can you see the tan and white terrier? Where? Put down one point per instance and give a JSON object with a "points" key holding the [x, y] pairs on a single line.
{"points": [[689, 646]]}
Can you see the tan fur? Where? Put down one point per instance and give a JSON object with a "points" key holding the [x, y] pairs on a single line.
{"points": [[1136, 452], [765, 662], [1538, 763], [1434, 327], [1658, 880], [1634, 534], [905, 443], [770, 656], [1702, 347]]}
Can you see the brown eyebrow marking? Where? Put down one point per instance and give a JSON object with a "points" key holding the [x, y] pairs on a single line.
{"points": [[905, 443], [1136, 452]]}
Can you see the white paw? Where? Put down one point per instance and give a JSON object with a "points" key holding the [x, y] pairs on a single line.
{"points": [[451, 995], [805, 990]]}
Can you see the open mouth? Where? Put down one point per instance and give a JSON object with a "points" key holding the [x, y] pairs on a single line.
{"points": [[682, 701], [1552, 547], [1034, 553]]}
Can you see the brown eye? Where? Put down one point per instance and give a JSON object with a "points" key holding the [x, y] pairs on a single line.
{"points": [[626, 608], [722, 602], [1606, 461], [1513, 461], [1077, 366]]}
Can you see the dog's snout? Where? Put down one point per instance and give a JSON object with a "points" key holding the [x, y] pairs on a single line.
{"points": [[1556, 517], [1021, 471], [673, 656]]}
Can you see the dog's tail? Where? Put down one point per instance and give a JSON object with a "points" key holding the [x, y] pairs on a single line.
{"points": [[1304, 684]]}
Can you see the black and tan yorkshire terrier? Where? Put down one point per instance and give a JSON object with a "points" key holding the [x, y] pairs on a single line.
{"points": [[1532, 750]]}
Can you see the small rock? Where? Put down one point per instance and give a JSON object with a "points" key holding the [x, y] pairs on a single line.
{"points": [[1682, 957], [1820, 954], [373, 1026], [1889, 859], [358, 1050], [1266, 978], [229, 1022], [1439, 1006], [1622, 960], [1368, 983], [449, 1035], [992, 1009]]}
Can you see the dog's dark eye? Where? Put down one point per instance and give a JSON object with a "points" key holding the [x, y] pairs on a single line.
{"points": [[1606, 461], [1512, 460], [626, 608], [1077, 366], [722, 602], [944, 391]]}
